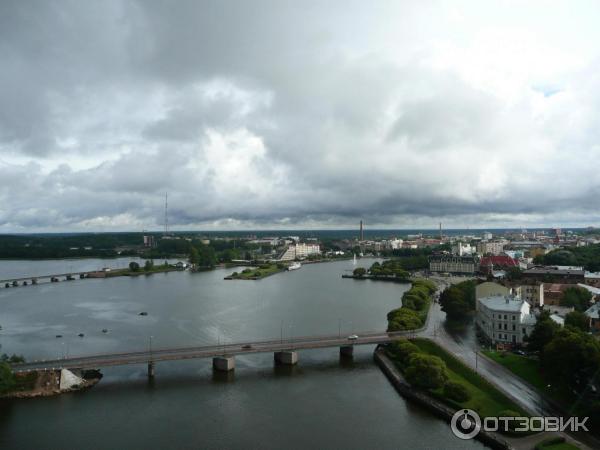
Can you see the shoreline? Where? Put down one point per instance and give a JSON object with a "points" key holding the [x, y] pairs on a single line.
{"points": [[47, 384]]}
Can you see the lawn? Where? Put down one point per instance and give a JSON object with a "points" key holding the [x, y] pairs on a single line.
{"points": [[529, 370], [485, 398], [526, 368]]}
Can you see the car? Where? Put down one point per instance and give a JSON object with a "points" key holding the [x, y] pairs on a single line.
{"points": [[246, 347], [519, 352], [352, 337]]}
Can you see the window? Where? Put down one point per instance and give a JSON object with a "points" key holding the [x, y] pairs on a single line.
{"points": [[514, 317], [514, 327], [505, 316]]}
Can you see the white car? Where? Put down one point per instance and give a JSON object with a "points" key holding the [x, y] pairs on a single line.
{"points": [[352, 337]]}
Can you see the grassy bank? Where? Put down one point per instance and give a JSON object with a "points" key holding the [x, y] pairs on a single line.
{"points": [[484, 397], [529, 370], [256, 273]]}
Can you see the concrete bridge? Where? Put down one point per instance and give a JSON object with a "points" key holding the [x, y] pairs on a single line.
{"points": [[285, 351], [24, 281]]}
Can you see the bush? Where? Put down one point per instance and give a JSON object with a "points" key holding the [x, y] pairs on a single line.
{"points": [[404, 319], [402, 350], [359, 272], [426, 371], [133, 266], [7, 378], [456, 391]]}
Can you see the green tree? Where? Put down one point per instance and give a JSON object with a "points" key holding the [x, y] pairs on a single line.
{"points": [[572, 358], [133, 266], [456, 391], [576, 297], [148, 265], [194, 256], [402, 350], [577, 320], [7, 378], [404, 319], [458, 301], [426, 371], [359, 272], [543, 332]]}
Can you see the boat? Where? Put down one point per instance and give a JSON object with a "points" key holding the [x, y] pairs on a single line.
{"points": [[143, 313], [81, 335], [294, 266], [104, 330]]}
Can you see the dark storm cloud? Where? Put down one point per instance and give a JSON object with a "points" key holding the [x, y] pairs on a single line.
{"points": [[274, 113]]}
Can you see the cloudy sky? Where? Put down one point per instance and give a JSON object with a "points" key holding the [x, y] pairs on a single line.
{"points": [[288, 114]]}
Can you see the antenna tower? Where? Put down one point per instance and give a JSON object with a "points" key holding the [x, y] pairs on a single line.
{"points": [[166, 213]]}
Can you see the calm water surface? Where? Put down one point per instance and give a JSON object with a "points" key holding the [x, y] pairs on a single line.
{"points": [[321, 403]]}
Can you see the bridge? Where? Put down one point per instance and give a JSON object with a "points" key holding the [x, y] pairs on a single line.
{"points": [[284, 350], [14, 282]]}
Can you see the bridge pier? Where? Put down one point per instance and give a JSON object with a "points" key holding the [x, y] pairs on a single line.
{"points": [[286, 357], [223, 363], [151, 369], [347, 351]]}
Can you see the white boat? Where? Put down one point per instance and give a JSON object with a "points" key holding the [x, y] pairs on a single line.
{"points": [[294, 266]]}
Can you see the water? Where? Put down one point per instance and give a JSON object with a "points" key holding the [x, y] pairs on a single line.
{"points": [[321, 403]]}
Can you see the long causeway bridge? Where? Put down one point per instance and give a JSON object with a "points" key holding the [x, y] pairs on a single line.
{"points": [[284, 350]]}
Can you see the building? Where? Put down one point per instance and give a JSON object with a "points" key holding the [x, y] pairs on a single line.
{"points": [[490, 289], [592, 279], [300, 251], [553, 293], [487, 236], [490, 263], [462, 249], [453, 264], [594, 314], [490, 247], [555, 275], [149, 241], [504, 320], [532, 293]]}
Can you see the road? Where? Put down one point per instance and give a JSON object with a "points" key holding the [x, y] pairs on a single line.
{"points": [[170, 354]]}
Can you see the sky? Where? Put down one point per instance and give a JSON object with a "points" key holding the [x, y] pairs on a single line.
{"points": [[284, 114]]}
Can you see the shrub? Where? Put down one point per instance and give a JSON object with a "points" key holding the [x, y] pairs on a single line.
{"points": [[456, 391], [402, 350], [404, 319], [426, 371]]}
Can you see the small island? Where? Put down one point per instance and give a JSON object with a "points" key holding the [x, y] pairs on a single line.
{"points": [[258, 273]]}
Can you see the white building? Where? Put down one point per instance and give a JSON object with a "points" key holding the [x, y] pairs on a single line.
{"points": [[462, 249], [490, 247], [504, 320], [300, 251]]}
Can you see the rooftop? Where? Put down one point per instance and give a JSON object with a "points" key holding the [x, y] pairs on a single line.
{"points": [[503, 303], [593, 311]]}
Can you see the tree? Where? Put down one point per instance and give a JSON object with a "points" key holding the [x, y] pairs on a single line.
{"points": [[455, 303], [513, 273], [359, 272], [543, 332], [572, 358], [194, 256], [133, 266], [426, 371], [403, 319], [7, 377], [149, 265], [402, 350], [456, 391], [576, 297], [577, 320]]}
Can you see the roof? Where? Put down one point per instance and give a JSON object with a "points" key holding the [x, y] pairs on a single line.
{"points": [[593, 290], [503, 303], [556, 318], [593, 312], [552, 271], [529, 319], [592, 274], [500, 260]]}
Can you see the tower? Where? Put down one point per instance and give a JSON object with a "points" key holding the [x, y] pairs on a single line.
{"points": [[166, 213], [361, 234], [440, 231]]}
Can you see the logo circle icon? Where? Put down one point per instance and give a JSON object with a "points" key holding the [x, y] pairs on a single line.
{"points": [[465, 424]]}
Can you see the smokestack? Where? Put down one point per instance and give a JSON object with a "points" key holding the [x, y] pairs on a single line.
{"points": [[361, 235]]}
